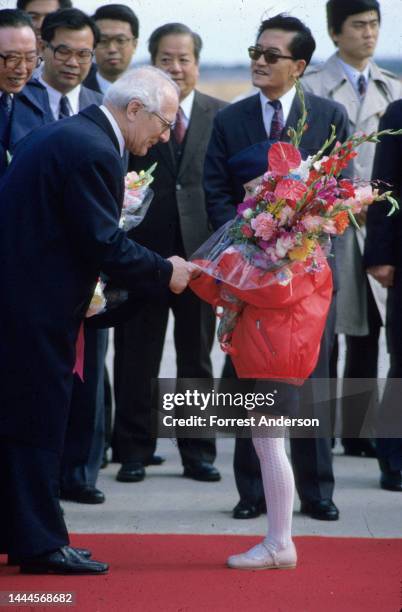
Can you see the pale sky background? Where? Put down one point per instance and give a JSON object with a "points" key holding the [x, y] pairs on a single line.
{"points": [[228, 27]]}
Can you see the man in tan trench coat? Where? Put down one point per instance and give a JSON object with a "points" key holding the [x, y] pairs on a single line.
{"points": [[352, 78]]}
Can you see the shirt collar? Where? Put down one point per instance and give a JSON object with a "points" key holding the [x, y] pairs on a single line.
{"points": [[353, 74], [116, 129], [187, 106], [104, 84], [286, 100], [55, 96]]}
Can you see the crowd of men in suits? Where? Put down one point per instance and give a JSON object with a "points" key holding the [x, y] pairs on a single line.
{"points": [[55, 61]]}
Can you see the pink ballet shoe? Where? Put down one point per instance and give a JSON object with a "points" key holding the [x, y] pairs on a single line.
{"points": [[262, 556]]}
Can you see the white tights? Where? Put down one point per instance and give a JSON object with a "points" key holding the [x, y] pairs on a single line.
{"points": [[279, 486]]}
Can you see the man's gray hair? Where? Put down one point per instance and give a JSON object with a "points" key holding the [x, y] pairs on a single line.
{"points": [[147, 84]]}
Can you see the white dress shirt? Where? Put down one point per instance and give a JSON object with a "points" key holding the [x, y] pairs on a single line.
{"points": [[55, 96], [104, 84], [268, 111], [186, 106], [353, 75], [115, 127]]}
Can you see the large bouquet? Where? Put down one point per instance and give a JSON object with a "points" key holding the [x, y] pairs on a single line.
{"points": [[267, 269]]}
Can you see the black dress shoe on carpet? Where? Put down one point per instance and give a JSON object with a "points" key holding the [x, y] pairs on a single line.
{"points": [[131, 472], [83, 495], [83, 552], [64, 560], [203, 471], [245, 510], [156, 460], [323, 510]]}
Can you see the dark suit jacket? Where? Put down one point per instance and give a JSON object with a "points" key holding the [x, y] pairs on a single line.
{"points": [[91, 82], [30, 110], [178, 207], [240, 125], [60, 205], [383, 244]]}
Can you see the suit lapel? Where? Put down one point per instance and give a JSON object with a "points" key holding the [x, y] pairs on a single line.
{"points": [[295, 114], [254, 124], [196, 131]]}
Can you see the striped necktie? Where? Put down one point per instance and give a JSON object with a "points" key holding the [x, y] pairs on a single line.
{"points": [[64, 108], [277, 122]]}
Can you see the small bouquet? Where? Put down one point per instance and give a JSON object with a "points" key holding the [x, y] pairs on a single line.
{"points": [[267, 268], [137, 198]]}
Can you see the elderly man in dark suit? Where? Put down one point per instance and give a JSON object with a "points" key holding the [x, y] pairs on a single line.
{"points": [[282, 51], [68, 39], [61, 199], [21, 107], [383, 259], [176, 223]]}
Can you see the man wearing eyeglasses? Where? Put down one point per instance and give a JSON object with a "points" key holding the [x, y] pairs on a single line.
{"points": [[176, 222], [119, 29], [38, 9], [69, 37], [282, 51], [21, 108]]}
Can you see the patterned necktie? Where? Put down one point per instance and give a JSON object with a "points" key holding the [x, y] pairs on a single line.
{"points": [[179, 126], [64, 108], [362, 85], [277, 122], [6, 105]]}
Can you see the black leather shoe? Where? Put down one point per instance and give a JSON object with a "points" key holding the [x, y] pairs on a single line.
{"points": [[391, 480], [323, 510], [360, 448], [131, 472], [64, 560], [156, 460], [83, 495], [202, 471], [83, 552], [245, 510]]}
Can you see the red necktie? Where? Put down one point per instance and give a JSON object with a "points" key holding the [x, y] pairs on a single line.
{"points": [[179, 126]]}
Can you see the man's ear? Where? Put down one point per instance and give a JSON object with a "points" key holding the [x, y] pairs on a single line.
{"points": [[42, 46], [300, 67], [333, 36], [132, 108]]}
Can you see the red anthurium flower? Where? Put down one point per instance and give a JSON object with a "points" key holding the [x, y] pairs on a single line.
{"points": [[247, 231], [283, 157], [290, 189]]}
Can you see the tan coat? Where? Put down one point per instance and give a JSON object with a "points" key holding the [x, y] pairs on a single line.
{"points": [[329, 81]]}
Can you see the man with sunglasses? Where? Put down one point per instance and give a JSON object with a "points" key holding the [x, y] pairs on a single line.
{"points": [[119, 29], [175, 223], [283, 49], [21, 107]]}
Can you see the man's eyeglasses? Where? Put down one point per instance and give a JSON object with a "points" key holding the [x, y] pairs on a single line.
{"points": [[12, 60], [167, 125], [119, 41], [64, 53], [270, 56]]}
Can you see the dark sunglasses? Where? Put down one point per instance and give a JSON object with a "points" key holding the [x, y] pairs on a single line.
{"points": [[270, 56]]}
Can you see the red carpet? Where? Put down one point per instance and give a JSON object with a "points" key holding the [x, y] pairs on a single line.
{"points": [[179, 573]]}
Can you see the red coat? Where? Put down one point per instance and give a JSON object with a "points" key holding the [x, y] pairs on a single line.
{"points": [[278, 332]]}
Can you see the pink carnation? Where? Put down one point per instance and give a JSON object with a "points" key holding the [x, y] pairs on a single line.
{"points": [[264, 225]]}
